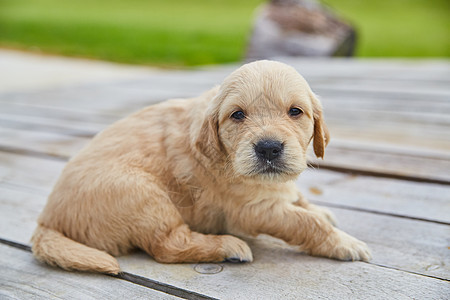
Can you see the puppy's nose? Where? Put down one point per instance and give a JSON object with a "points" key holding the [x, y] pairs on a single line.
{"points": [[268, 149]]}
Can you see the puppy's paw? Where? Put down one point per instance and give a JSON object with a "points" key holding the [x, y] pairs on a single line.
{"points": [[324, 213], [236, 250], [342, 246]]}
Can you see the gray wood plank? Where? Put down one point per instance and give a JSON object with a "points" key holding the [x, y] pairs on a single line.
{"points": [[29, 173], [362, 158], [280, 273], [429, 137], [334, 105], [389, 70], [349, 280], [28, 200], [58, 114], [427, 129], [402, 76], [356, 156], [129, 96], [436, 117], [23, 277], [393, 103], [373, 112], [365, 87], [330, 77], [19, 210], [394, 243], [52, 144], [110, 99], [37, 123], [416, 200], [404, 198], [422, 249], [30, 71], [398, 243]]}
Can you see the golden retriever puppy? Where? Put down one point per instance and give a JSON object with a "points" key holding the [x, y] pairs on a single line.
{"points": [[177, 178]]}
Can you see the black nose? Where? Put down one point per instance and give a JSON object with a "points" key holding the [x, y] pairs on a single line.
{"points": [[268, 149]]}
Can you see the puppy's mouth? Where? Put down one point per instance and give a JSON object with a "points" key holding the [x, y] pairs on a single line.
{"points": [[268, 160], [270, 167]]}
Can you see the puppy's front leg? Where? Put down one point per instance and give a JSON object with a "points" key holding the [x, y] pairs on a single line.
{"points": [[302, 227], [324, 212]]}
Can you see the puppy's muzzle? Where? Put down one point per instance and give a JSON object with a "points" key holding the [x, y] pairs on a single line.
{"points": [[269, 150]]}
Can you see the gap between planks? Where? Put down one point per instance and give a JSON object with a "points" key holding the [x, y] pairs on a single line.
{"points": [[359, 172], [372, 211], [354, 171], [312, 164], [20, 187], [186, 294], [136, 279], [409, 272]]}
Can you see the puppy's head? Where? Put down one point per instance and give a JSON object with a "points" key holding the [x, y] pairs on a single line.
{"points": [[261, 122]]}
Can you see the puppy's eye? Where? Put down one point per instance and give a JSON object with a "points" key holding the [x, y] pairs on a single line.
{"points": [[295, 111], [238, 115]]}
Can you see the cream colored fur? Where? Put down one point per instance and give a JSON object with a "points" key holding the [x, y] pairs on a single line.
{"points": [[178, 178]]}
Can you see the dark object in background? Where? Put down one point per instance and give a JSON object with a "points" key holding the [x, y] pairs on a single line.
{"points": [[299, 28]]}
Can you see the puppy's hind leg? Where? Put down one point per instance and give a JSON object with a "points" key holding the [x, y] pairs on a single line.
{"points": [[162, 233], [182, 245]]}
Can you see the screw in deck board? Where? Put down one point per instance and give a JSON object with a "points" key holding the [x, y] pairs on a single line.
{"points": [[208, 268]]}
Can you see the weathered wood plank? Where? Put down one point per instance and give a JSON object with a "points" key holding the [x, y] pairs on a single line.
{"points": [[23, 277], [332, 76], [46, 71], [19, 212], [382, 195], [420, 166], [356, 156], [429, 137], [134, 95], [371, 119], [59, 114], [83, 122], [176, 84], [339, 112], [425, 201], [411, 250], [273, 263], [422, 250], [354, 115], [29, 173], [35, 123], [381, 88], [391, 103], [394, 244], [109, 99], [52, 144], [389, 70], [379, 99], [280, 273], [28, 71]]}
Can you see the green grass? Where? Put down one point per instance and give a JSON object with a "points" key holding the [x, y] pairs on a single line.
{"points": [[399, 28], [165, 32], [196, 32]]}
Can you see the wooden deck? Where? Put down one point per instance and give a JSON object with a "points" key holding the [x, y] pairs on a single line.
{"points": [[386, 176]]}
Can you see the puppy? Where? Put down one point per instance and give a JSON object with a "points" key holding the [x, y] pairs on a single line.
{"points": [[177, 178]]}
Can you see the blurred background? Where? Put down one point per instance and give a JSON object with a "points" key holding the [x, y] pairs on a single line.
{"points": [[178, 33]]}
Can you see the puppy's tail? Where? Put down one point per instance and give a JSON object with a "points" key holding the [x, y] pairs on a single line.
{"points": [[54, 248]]}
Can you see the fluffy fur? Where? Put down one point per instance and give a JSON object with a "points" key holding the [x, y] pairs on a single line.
{"points": [[178, 178]]}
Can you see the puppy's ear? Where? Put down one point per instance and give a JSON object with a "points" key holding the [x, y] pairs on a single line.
{"points": [[208, 142], [321, 133]]}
